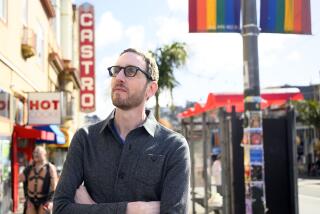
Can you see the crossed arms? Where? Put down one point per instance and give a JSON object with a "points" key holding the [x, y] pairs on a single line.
{"points": [[173, 196], [140, 207]]}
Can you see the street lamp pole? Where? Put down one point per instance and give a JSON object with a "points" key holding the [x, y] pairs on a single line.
{"points": [[253, 133]]}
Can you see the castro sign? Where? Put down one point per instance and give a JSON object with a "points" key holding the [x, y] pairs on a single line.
{"points": [[44, 108], [87, 58]]}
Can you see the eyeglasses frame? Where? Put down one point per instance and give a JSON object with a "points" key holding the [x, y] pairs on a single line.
{"points": [[123, 68]]}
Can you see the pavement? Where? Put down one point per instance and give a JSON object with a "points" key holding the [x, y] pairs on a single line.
{"points": [[21, 200], [309, 195]]}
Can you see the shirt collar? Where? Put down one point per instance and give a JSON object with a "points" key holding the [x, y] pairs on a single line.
{"points": [[150, 124], [107, 120]]}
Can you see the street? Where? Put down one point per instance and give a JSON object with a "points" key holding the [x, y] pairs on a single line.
{"points": [[309, 196]]}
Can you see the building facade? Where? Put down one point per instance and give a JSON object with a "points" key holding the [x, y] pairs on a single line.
{"points": [[38, 54]]}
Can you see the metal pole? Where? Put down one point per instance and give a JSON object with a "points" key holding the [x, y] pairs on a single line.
{"points": [[193, 195], [205, 160], [255, 199], [225, 161], [292, 155], [250, 34]]}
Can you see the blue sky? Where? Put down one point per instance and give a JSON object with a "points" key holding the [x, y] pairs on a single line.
{"points": [[215, 59]]}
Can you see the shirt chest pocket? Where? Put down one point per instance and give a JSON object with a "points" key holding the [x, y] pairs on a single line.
{"points": [[149, 168]]}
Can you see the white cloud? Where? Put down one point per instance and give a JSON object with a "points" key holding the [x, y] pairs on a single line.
{"points": [[178, 5], [136, 36], [106, 62], [207, 51], [103, 99], [214, 62], [103, 81], [109, 30], [170, 29]]}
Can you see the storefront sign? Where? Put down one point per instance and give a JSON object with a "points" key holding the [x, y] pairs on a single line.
{"points": [[87, 58], [44, 108]]}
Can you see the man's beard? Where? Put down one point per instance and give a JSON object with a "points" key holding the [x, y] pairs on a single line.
{"points": [[129, 102]]}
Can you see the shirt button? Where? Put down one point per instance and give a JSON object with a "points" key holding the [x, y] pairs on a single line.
{"points": [[121, 175]]}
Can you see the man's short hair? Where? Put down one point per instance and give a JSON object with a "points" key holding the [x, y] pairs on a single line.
{"points": [[152, 67]]}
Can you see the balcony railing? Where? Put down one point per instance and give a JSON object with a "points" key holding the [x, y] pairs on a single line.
{"points": [[28, 44]]}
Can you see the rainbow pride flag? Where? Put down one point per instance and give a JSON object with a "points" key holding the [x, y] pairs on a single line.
{"points": [[214, 15], [285, 16]]}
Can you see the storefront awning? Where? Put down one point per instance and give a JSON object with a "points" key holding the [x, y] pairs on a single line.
{"points": [[27, 132], [275, 97], [58, 135], [68, 135]]}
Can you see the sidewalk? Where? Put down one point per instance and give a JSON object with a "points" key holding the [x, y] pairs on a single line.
{"points": [[21, 200], [215, 202], [309, 181]]}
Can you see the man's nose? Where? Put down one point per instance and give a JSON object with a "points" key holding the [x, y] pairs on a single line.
{"points": [[121, 75]]}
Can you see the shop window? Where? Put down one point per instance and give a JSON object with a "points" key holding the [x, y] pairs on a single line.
{"points": [[5, 175], [4, 104], [19, 112], [68, 106], [3, 9]]}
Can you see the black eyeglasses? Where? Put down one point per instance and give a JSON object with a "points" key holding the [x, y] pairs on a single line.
{"points": [[129, 71]]}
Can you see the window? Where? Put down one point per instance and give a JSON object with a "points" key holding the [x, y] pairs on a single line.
{"points": [[68, 105], [40, 45], [56, 20], [3, 9], [24, 12], [19, 111], [4, 104]]}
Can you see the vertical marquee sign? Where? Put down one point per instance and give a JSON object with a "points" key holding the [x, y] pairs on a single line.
{"points": [[87, 58]]}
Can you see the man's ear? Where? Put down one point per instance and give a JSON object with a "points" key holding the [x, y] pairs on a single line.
{"points": [[152, 89]]}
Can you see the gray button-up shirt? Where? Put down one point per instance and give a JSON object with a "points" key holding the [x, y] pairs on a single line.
{"points": [[152, 165]]}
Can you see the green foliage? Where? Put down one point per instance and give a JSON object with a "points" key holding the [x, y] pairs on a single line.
{"points": [[169, 58], [308, 112]]}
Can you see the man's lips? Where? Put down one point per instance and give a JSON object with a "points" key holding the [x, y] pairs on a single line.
{"points": [[119, 88]]}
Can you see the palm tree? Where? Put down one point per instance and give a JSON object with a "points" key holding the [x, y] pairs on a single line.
{"points": [[168, 58]]}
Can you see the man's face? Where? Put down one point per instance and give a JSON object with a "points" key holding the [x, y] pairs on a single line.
{"points": [[129, 92], [39, 155]]}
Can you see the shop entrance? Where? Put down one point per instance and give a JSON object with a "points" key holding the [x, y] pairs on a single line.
{"points": [[23, 143]]}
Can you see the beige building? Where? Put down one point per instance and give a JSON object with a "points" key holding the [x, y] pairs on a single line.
{"points": [[38, 53]]}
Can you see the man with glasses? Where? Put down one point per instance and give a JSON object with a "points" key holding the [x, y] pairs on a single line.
{"points": [[128, 163]]}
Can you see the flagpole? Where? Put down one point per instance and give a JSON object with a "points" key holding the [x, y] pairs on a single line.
{"points": [[253, 133]]}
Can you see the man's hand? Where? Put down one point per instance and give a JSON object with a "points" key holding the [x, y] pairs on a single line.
{"points": [[141, 207], [48, 206], [82, 196]]}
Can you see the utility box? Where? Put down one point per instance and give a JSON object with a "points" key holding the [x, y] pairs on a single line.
{"points": [[280, 162]]}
